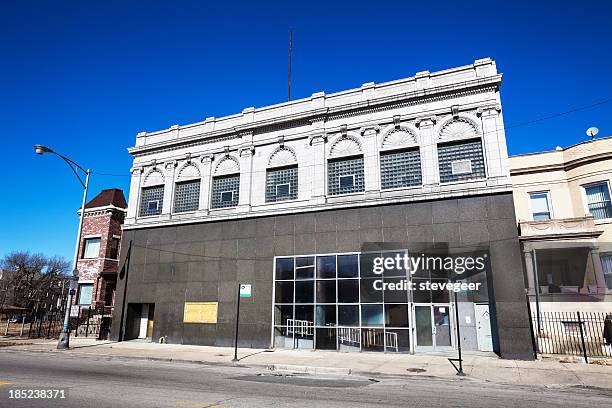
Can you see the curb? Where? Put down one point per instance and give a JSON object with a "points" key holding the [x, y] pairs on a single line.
{"points": [[290, 368], [137, 358], [309, 369]]}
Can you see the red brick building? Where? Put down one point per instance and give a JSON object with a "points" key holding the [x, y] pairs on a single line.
{"points": [[99, 250]]}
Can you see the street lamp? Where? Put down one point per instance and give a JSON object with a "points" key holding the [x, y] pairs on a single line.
{"points": [[64, 339]]}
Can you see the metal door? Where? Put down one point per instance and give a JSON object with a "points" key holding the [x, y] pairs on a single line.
{"points": [[483, 327]]}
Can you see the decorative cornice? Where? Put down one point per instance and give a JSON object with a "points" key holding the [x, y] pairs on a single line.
{"points": [[316, 116], [569, 165], [245, 133], [318, 119]]}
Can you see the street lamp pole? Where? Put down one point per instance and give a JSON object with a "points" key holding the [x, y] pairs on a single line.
{"points": [[64, 339]]}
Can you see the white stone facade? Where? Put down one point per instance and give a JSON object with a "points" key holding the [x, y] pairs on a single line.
{"points": [[421, 111]]}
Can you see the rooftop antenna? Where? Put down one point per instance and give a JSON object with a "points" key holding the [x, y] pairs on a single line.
{"points": [[289, 67], [592, 132]]}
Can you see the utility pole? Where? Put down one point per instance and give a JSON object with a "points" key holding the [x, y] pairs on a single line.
{"points": [[289, 67], [64, 339], [126, 271]]}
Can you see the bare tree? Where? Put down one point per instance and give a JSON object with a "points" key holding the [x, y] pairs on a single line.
{"points": [[33, 281]]}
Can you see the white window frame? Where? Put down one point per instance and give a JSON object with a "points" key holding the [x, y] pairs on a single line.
{"points": [[225, 192], [288, 190], [89, 284], [156, 205], [85, 240], [585, 200], [459, 173], [352, 176], [548, 200]]}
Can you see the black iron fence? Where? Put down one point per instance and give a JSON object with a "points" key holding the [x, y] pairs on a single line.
{"points": [[92, 322], [84, 322], [571, 333], [44, 324]]}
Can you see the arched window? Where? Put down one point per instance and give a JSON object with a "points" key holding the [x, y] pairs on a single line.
{"points": [[345, 167], [400, 159], [152, 193], [282, 176], [226, 183], [187, 189], [460, 153]]}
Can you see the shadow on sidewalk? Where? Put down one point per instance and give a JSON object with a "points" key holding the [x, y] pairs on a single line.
{"points": [[254, 354], [92, 345]]}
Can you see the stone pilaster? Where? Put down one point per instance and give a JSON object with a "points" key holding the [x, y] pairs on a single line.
{"points": [[529, 271], [494, 143], [598, 270], [371, 160], [319, 171], [429, 153], [205, 183], [134, 199], [169, 188], [246, 174]]}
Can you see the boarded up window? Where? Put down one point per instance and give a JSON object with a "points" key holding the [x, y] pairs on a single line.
{"points": [[200, 312]]}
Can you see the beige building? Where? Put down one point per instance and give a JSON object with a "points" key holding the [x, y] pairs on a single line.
{"points": [[564, 213]]}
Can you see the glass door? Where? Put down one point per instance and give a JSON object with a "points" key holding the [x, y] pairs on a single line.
{"points": [[433, 327], [424, 331], [442, 327]]}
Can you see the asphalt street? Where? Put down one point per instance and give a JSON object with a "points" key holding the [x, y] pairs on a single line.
{"points": [[115, 382]]}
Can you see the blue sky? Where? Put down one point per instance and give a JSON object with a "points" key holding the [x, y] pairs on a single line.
{"points": [[85, 77]]}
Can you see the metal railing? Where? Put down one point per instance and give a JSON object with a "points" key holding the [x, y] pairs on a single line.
{"points": [[300, 327], [571, 333], [349, 336], [88, 322]]}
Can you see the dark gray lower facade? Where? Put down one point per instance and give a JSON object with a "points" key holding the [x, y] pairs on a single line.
{"points": [[204, 262]]}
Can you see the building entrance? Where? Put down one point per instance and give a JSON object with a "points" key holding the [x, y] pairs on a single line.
{"points": [[433, 327]]}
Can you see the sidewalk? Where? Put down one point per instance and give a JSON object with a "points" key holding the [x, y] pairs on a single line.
{"points": [[482, 367]]}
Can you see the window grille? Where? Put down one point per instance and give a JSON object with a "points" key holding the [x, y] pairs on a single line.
{"points": [[598, 200], [225, 191], [400, 169], [151, 201], [337, 172], [453, 161], [282, 184], [187, 196]]}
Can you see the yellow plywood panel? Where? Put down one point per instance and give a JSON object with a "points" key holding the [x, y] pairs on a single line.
{"points": [[200, 312]]}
